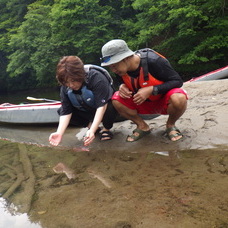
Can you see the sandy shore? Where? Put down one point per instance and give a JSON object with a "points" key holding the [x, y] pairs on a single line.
{"points": [[204, 124]]}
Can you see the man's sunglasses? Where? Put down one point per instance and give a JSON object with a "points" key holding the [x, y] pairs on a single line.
{"points": [[105, 59]]}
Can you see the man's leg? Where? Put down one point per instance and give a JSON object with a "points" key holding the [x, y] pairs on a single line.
{"points": [[132, 115], [176, 107]]}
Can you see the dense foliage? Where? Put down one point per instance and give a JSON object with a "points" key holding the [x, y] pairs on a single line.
{"points": [[34, 34]]}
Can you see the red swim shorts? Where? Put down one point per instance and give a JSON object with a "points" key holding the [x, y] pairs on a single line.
{"points": [[149, 107]]}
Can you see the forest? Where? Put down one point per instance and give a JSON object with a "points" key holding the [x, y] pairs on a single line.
{"points": [[35, 34]]}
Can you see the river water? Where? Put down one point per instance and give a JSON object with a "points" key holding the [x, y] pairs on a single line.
{"points": [[109, 184], [20, 97]]}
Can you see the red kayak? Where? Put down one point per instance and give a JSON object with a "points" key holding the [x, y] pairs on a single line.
{"points": [[213, 75]]}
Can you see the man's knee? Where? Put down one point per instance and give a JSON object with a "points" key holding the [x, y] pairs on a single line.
{"points": [[122, 109], [178, 101]]}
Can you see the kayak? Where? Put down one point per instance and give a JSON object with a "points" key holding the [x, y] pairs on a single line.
{"points": [[34, 113], [213, 75]]}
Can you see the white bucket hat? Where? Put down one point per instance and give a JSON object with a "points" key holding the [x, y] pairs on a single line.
{"points": [[114, 51]]}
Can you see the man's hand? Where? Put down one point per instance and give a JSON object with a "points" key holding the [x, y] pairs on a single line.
{"points": [[142, 94], [124, 92]]}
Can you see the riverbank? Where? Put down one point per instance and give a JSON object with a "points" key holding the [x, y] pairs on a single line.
{"points": [[204, 125]]}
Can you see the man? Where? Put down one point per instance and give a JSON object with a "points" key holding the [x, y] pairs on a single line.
{"points": [[149, 86], [86, 93]]}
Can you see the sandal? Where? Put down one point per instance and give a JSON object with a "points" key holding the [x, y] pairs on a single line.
{"points": [[105, 135], [171, 136], [98, 130], [140, 134]]}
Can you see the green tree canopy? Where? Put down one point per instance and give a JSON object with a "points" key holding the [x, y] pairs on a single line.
{"points": [[191, 33], [12, 14], [35, 34]]}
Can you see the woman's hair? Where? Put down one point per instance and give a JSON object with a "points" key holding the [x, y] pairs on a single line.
{"points": [[70, 67]]}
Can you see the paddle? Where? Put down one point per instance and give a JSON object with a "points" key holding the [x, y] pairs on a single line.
{"points": [[40, 99]]}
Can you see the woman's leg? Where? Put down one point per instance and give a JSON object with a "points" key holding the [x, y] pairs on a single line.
{"points": [[81, 118], [109, 116]]}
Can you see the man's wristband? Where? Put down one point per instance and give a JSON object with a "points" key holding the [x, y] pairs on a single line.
{"points": [[155, 91]]}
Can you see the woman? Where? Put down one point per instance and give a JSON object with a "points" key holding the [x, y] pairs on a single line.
{"points": [[86, 99]]}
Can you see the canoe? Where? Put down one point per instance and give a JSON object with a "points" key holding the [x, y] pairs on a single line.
{"points": [[213, 75], [34, 113]]}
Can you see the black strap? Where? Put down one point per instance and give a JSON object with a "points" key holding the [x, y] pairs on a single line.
{"points": [[133, 85], [144, 57], [87, 67]]}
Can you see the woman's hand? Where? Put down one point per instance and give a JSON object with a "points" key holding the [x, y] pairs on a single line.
{"points": [[55, 138], [90, 134], [89, 137]]}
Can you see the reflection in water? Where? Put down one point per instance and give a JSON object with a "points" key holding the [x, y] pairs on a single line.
{"points": [[11, 219], [116, 189], [62, 168]]}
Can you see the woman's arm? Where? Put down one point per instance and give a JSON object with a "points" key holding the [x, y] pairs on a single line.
{"points": [[63, 123], [56, 137], [90, 135]]}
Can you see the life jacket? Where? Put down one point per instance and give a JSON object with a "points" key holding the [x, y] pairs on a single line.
{"points": [[145, 78], [84, 98]]}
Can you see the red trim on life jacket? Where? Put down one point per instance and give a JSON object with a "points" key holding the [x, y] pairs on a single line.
{"points": [[159, 54]]}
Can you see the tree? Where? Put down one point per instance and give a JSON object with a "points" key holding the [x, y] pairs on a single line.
{"points": [[191, 33], [75, 27], [11, 16], [33, 52], [81, 26]]}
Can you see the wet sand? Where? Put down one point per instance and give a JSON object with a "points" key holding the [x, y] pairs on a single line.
{"points": [[151, 183]]}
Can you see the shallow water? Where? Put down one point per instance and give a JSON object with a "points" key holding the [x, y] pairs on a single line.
{"points": [[11, 218], [111, 188]]}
